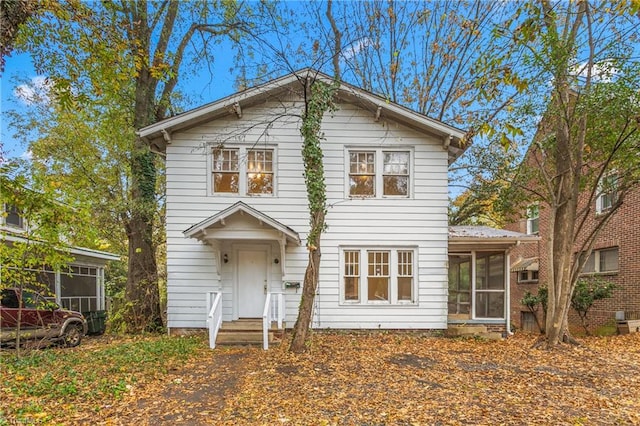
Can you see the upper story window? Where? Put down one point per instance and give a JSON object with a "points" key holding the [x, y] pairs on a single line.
{"points": [[378, 276], [243, 171], [379, 173], [606, 193], [533, 218], [13, 217], [601, 261], [226, 176], [260, 171]]}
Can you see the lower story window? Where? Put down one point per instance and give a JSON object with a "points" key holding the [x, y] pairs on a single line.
{"points": [[389, 276]]}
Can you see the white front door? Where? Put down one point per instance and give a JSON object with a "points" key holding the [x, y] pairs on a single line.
{"points": [[252, 279]]}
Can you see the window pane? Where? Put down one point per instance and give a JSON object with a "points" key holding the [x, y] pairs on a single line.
{"points": [[362, 173], [405, 275], [609, 260], [226, 182], [459, 285], [361, 186], [590, 266], [490, 304], [490, 271], [351, 288], [13, 216], [396, 185], [405, 285], [378, 288], [396, 163], [260, 183], [225, 170], [396, 173], [378, 275], [351, 275]]}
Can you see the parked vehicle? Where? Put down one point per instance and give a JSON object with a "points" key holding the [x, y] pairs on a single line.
{"points": [[37, 318]]}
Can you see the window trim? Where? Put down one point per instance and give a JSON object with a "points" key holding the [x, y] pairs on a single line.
{"points": [[530, 278], [243, 172], [394, 274], [378, 183], [22, 227], [597, 262], [531, 219], [612, 193]]}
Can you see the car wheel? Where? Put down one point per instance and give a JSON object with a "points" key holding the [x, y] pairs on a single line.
{"points": [[72, 335]]}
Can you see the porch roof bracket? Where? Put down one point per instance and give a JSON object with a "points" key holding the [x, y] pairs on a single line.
{"points": [[283, 253]]}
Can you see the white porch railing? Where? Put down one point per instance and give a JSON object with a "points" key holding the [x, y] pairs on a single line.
{"points": [[214, 319], [273, 311]]}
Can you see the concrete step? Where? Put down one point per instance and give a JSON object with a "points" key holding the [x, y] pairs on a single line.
{"points": [[465, 330]]}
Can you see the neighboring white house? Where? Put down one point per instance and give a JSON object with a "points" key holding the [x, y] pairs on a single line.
{"points": [[237, 217], [81, 287]]}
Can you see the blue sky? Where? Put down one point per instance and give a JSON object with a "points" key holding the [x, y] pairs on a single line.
{"points": [[199, 89]]}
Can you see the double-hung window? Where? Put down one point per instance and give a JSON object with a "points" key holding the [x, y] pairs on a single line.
{"points": [[533, 219], [226, 176], [376, 173], [378, 276], [606, 197], [241, 170], [601, 261], [13, 217]]}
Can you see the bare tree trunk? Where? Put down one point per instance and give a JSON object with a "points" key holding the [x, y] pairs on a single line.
{"points": [[305, 313]]}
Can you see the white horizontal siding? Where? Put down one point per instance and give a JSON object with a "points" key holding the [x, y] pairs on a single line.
{"points": [[420, 221]]}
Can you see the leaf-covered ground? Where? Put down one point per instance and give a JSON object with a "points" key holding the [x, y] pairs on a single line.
{"points": [[346, 379]]}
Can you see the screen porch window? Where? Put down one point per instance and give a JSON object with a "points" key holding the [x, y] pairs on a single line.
{"points": [[459, 285], [395, 178], [490, 285], [362, 173], [260, 171], [226, 174]]}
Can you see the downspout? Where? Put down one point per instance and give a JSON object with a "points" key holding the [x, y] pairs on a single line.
{"points": [[508, 284]]}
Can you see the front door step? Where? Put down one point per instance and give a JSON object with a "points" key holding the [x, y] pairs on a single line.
{"points": [[246, 332]]}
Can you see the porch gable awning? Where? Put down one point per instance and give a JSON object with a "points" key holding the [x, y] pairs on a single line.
{"points": [[214, 227], [530, 264]]}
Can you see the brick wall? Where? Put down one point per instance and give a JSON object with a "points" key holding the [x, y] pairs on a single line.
{"points": [[622, 231]]}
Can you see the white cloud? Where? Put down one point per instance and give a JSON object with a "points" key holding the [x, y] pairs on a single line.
{"points": [[36, 91], [27, 155], [601, 72], [355, 48]]}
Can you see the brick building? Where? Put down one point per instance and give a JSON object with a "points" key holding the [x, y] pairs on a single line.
{"points": [[615, 258]]}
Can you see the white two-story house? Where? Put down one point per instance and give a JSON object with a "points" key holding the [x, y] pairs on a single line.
{"points": [[237, 216]]}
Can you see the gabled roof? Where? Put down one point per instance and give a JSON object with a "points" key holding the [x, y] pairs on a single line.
{"points": [[199, 230], [159, 134]]}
